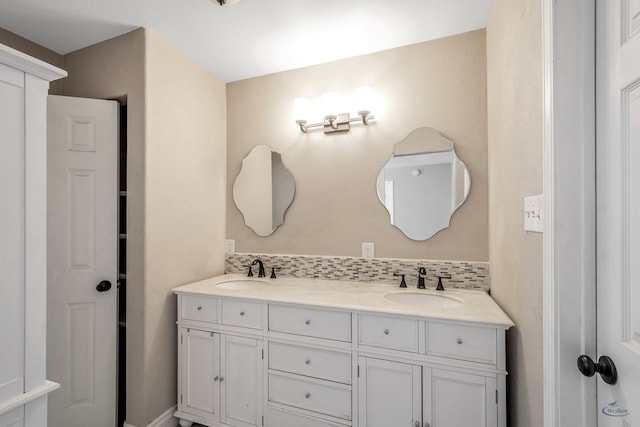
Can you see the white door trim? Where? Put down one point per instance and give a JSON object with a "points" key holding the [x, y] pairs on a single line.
{"points": [[569, 200]]}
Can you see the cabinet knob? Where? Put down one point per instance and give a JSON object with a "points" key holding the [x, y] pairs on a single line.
{"points": [[459, 341], [308, 395], [221, 379], [216, 378], [242, 313], [308, 361], [417, 423], [308, 322], [199, 307], [386, 332]]}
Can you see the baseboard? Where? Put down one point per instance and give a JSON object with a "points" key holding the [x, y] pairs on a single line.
{"points": [[165, 420]]}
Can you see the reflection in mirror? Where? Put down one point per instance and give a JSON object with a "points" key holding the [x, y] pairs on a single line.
{"points": [[263, 190], [423, 183]]}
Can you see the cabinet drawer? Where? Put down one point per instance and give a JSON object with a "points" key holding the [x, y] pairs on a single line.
{"points": [[462, 342], [318, 396], [278, 418], [247, 314], [200, 308], [312, 362], [332, 325], [388, 332]]}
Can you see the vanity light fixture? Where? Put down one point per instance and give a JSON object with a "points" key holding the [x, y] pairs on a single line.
{"points": [[333, 123], [337, 123], [227, 2]]}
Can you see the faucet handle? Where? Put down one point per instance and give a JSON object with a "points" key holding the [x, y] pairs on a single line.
{"points": [[440, 287], [250, 272], [273, 272], [403, 284]]}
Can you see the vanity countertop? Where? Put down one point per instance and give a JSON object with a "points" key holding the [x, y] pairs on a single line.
{"points": [[477, 307]]}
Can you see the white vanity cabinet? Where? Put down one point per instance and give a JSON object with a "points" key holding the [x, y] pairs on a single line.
{"points": [[247, 362], [453, 379], [220, 369]]}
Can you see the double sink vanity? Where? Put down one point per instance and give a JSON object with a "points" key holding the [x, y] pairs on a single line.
{"points": [[292, 352]]}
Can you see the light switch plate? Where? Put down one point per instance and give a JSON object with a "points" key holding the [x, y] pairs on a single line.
{"points": [[230, 246], [533, 214], [367, 250]]}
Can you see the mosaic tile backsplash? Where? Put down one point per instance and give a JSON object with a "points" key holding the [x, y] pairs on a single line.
{"points": [[464, 275]]}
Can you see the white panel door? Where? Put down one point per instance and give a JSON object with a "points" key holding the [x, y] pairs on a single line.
{"points": [[82, 252], [12, 229], [618, 207], [241, 381], [200, 388], [390, 394]]}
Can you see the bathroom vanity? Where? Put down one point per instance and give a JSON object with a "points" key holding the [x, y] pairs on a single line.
{"points": [[316, 353]]}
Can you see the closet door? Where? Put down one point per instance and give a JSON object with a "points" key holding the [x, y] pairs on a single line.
{"points": [[12, 232]]}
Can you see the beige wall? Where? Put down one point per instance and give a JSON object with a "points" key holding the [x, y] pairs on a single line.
{"points": [[176, 203], [185, 201], [42, 53], [514, 62], [441, 84]]}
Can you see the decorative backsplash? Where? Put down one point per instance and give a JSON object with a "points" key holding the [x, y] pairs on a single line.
{"points": [[464, 275]]}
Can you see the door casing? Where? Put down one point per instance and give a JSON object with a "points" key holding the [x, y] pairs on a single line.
{"points": [[569, 283]]}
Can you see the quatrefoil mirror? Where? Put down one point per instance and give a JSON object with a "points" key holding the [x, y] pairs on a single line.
{"points": [[423, 184], [263, 190]]}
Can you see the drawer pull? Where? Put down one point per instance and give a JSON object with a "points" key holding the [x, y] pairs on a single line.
{"points": [[308, 395], [459, 341], [308, 322], [242, 313], [386, 332], [199, 307], [308, 361], [216, 378]]}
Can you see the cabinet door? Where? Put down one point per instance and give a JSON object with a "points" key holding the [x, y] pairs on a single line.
{"points": [[459, 399], [200, 376], [390, 394], [241, 381]]}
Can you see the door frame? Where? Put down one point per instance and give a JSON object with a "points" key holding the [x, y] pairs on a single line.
{"points": [[569, 243]]}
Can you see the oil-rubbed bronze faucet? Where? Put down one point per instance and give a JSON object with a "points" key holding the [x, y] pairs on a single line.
{"points": [[260, 267], [421, 273]]}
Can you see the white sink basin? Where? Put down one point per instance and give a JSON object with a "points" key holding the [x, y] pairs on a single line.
{"points": [[242, 284], [423, 300]]}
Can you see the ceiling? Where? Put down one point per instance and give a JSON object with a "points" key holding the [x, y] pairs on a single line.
{"points": [[252, 37]]}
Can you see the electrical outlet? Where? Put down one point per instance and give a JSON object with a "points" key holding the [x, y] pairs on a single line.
{"points": [[533, 214], [367, 250], [230, 246]]}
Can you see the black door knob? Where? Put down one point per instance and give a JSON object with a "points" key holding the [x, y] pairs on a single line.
{"points": [[605, 367], [103, 286]]}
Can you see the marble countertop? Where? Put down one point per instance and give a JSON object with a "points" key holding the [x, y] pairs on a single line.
{"points": [[477, 306]]}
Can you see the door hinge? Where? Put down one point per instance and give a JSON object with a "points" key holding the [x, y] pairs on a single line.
{"points": [[496, 397], [358, 371], [263, 354], [181, 339], [180, 398], [263, 420]]}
